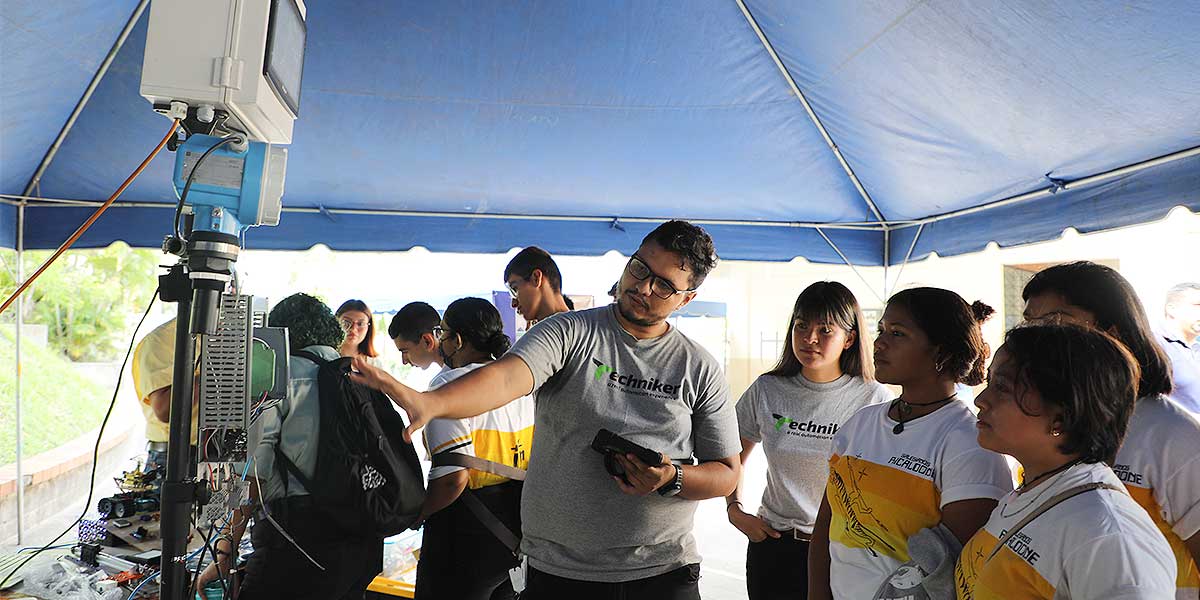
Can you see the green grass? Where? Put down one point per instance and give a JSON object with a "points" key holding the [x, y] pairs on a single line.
{"points": [[57, 403]]}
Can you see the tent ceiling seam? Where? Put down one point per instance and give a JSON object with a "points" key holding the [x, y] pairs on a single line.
{"points": [[812, 114]]}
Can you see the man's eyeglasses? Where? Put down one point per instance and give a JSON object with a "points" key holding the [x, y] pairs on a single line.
{"points": [[659, 286], [440, 332], [512, 285]]}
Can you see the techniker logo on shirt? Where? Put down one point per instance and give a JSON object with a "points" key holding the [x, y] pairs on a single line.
{"points": [[635, 384], [790, 426]]}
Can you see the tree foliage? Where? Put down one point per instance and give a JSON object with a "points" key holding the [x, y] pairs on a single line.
{"points": [[86, 298]]}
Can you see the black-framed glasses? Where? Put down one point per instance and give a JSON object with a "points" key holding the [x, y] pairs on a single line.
{"points": [[659, 286]]}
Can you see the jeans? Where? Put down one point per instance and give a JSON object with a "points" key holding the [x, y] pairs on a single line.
{"points": [[680, 584], [777, 568]]}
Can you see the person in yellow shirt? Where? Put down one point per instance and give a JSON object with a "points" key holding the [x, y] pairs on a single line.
{"points": [[153, 370]]}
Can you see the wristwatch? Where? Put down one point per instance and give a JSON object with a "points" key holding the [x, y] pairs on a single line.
{"points": [[674, 486]]}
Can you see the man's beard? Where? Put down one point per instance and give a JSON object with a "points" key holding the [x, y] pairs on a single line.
{"points": [[636, 320]]}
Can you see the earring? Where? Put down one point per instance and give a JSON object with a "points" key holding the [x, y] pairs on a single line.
{"points": [[1055, 432], [940, 366]]}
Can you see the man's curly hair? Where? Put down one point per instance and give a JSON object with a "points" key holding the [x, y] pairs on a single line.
{"points": [[691, 243], [309, 322]]}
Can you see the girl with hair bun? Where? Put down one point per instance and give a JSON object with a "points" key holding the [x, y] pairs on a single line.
{"points": [[909, 470], [460, 558]]}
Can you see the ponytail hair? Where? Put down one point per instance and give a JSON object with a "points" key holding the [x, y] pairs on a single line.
{"points": [[954, 327], [479, 324]]}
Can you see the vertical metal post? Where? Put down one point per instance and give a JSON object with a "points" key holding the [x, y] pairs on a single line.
{"points": [[178, 487], [17, 355]]}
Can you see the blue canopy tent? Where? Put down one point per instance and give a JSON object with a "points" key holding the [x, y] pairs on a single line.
{"points": [[871, 132]]}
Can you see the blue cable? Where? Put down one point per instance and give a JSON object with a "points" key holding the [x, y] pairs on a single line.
{"points": [[144, 582]]}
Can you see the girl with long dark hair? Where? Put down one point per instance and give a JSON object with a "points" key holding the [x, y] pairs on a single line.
{"points": [[911, 464], [823, 376], [1159, 462], [460, 557]]}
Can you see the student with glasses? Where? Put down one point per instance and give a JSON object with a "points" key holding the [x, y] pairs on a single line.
{"points": [[624, 368], [533, 279], [1159, 461], [359, 326]]}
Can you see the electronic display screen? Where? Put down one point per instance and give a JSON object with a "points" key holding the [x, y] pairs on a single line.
{"points": [[284, 62]]}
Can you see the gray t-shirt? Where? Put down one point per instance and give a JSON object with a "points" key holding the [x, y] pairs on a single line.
{"points": [[795, 419], [667, 394]]}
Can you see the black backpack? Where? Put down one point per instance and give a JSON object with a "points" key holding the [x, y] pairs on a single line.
{"points": [[368, 481]]}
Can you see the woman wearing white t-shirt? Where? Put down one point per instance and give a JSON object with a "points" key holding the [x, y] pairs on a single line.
{"points": [[1058, 400], [1159, 462], [460, 557], [914, 463], [823, 376]]}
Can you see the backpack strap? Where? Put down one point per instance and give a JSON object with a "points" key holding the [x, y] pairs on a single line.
{"points": [[1051, 503], [283, 464], [447, 459], [454, 459]]}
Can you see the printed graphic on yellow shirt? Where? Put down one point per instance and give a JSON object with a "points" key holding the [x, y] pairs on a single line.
{"points": [[1189, 578], [878, 507], [506, 447], [1010, 575]]}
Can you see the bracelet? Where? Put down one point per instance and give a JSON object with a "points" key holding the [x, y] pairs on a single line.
{"points": [[730, 504]]}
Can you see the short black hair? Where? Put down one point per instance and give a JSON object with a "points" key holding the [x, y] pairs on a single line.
{"points": [[308, 320], [1087, 374], [690, 242], [1103, 292], [953, 326], [413, 321], [535, 259]]}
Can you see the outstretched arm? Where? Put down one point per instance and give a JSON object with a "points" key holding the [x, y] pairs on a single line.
{"points": [[486, 388]]}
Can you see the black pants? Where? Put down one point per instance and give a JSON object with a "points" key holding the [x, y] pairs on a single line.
{"points": [[277, 569], [777, 568], [460, 558], [680, 584]]}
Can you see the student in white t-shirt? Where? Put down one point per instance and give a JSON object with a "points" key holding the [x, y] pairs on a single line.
{"points": [[1059, 398], [911, 464], [823, 377], [1159, 462], [460, 557]]}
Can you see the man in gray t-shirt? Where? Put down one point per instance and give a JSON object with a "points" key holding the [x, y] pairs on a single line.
{"points": [[625, 369]]}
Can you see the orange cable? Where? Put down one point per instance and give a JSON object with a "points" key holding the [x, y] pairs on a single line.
{"points": [[92, 219]]}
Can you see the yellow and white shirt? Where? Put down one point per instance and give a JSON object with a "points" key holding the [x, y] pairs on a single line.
{"points": [[884, 487], [1159, 462], [503, 435], [1099, 544]]}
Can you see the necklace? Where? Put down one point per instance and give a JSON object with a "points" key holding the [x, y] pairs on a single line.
{"points": [[1056, 470], [1024, 487], [904, 409]]}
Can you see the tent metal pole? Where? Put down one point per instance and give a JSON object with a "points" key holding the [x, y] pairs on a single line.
{"points": [[1070, 185], [853, 225], [17, 354], [83, 100], [852, 267], [812, 114], [887, 258], [908, 255]]}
